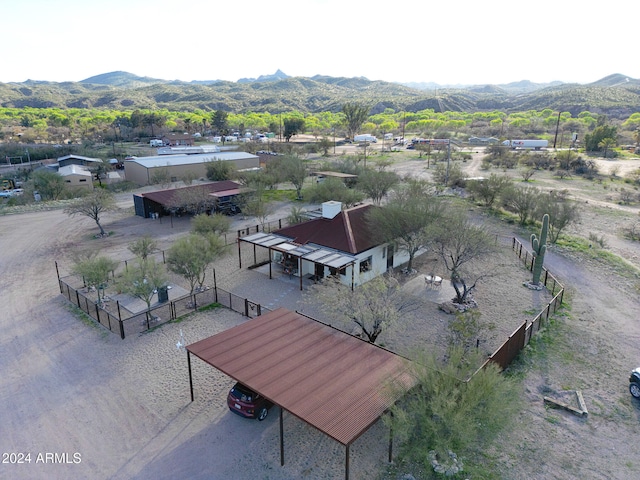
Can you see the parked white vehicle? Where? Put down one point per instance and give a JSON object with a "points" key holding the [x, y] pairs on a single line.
{"points": [[365, 137], [156, 143]]}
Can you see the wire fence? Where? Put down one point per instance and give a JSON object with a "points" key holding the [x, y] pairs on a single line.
{"points": [[112, 315]]}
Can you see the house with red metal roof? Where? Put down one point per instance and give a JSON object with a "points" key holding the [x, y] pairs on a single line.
{"points": [[339, 242]]}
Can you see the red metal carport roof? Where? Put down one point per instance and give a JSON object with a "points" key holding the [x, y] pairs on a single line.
{"points": [[335, 382]]}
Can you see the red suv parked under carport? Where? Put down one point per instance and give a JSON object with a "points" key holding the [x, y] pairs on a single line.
{"points": [[247, 403]]}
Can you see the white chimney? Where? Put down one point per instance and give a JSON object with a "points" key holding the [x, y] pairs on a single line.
{"points": [[331, 208]]}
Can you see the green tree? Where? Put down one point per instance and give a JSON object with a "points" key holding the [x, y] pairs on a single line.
{"points": [[142, 280], [190, 257], [219, 122], [489, 189], [99, 171], [161, 176], [377, 184], [333, 189], [607, 144], [407, 218], [50, 185], [293, 126], [443, 413], [355, 115], [93, 206], [562, 213], [593, 140], [143, 247], [521, 200], [219, 170], [216, 223], [95, 270], [294, 170]]}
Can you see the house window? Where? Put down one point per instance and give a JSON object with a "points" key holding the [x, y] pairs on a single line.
{"points": [[365, 265], [384, 252], [68, 181], [83, 179], [174, 179], [334, 271]]}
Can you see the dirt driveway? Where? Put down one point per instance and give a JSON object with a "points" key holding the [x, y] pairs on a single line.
{"points": [[85, 404]]}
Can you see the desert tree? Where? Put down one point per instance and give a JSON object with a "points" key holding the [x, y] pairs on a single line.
{"points": [[296, 215], [293, 170], [190, 257], [355, 114], [460, 243], [220, 122], [94, 270], [373, 307], [562, 213], [407, 218], [99, 171], [446, 414], [216, 223], [489, 189], [521, 200], [218, 170], [142, 280], [293, 126], [333, 189], [194, 200], [143, 247], [377, 184], [161, 176], [93, 206], [255, 204], [50, 185]]}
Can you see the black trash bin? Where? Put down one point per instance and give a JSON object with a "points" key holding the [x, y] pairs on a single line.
{"points": [[163, 294]]}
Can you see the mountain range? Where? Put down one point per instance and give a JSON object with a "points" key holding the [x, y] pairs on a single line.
{"points": [[615, 95]]}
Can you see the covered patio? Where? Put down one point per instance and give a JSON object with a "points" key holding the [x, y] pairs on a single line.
{"points": [[333, 381], [293, 256]]}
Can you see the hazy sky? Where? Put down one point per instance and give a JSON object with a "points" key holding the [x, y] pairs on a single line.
{"points": [[447, 42]]}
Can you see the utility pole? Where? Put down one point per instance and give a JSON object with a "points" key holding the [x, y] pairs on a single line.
{"points": [[555, 139]]}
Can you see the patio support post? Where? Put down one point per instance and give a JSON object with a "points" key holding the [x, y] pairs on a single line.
{"points": [[300, 271], [239, 255], [270, 276], [255, 259], [190, 376], [281, 437]]}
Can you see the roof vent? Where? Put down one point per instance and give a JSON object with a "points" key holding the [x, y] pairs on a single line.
{"points": [[331, 208]]}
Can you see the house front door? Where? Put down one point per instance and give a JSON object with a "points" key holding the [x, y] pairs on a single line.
{"points": [[319, 271], [389, 257]]}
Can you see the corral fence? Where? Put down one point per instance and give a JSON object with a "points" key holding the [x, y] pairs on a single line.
{"points": [[113, 316], [521, 337]]}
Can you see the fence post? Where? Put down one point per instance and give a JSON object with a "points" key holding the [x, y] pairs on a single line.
{"points": [[246, 307], [121, 329]]}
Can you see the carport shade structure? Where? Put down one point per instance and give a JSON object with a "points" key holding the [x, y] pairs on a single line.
{"points": [[331, 380]]}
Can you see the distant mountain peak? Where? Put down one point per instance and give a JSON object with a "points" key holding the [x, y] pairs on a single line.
{"points": [[279, 75]]}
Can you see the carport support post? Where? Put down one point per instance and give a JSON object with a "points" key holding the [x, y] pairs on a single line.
{"points": [[346, 463], [190, 377], [281, 438], [239, 254], [391, 440]]}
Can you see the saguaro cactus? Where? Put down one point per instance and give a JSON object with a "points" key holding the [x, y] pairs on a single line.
{"points": [[539, 246]]}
